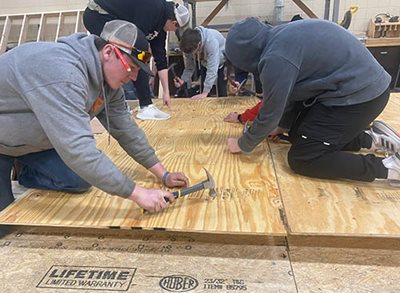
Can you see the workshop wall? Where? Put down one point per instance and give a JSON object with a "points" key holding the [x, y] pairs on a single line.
{"points": [[235, 10], [238, 9]]}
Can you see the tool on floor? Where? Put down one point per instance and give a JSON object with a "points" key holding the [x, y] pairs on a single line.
{"points": [[206, 184]]}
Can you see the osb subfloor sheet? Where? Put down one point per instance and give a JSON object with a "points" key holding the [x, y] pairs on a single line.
{"points": [[257, 192], [151, 261], [247, 201], [107, 260]]}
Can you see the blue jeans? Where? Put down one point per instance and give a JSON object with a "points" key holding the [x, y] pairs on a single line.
{"points": [[130, 91], [42, 170]]}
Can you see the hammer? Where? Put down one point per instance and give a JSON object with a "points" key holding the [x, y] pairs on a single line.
{"points": [[172, 69], [244, 90], [174, 76], [206, 184]]}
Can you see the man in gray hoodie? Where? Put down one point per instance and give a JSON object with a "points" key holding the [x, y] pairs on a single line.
{"points": [[49, 92], [324, 86], [209, 46]]}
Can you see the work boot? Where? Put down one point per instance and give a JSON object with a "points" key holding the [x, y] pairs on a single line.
{"points": [[392, 163], [384, 138], [151, 112]]}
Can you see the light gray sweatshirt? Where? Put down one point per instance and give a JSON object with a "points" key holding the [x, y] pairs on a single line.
{"points": [[212, 57], [49, 92]]}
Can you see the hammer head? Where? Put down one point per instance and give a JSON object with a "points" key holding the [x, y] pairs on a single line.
{"points": [[210, 184]]}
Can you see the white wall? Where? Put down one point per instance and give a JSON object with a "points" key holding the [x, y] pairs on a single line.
{"points": [[236, 9]]}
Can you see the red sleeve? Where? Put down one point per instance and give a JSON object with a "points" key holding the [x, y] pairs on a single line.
{"points": [[250, 114]]}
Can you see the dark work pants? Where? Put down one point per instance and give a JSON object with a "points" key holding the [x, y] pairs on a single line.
{"points": [[94, 23], [42, 170], [221, 81], [322, 137]]}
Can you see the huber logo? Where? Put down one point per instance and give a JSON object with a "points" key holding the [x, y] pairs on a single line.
{"points": [[178, 283]]}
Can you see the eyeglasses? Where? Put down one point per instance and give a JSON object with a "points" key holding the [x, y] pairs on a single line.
{"points": [[143, 56], [122, 58]]}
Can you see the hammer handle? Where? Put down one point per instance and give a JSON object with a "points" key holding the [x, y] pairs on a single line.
{"points": [[188, 190], [184, 192]]}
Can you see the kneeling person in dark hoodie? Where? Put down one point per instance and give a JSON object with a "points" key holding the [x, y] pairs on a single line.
{"points": [[51, 93], [324, 86]]}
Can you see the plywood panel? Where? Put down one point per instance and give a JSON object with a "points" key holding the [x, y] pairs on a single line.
{"points": [[339, 207], [248, 200]]}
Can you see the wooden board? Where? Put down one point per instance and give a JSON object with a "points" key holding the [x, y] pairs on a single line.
{"points": [[152, 257], [248, 194], [153, 262], [331, 269], [247, 202], [382, 42], [338, 207]]}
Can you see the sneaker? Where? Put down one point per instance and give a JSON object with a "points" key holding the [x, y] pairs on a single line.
{"points": [[384, 137], [151, 112], [128, 108], [392, 163]]}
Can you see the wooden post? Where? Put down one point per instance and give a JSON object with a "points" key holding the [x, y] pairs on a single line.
{"points": [[305, 8], [77, 21], [59, 25], [5, 34], [24, 29], [42, 24], [214, 12]]}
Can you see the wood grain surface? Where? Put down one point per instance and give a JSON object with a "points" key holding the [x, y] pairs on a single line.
{"points": [[195, 137], [256, 192]]}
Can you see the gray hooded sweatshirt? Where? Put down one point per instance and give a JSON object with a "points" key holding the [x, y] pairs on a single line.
{"points": [[49, 92], [211, 54], [302, 61]]}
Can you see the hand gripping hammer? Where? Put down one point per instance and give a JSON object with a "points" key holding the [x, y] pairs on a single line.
{"points": [[174, 76], [206, 184]]}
